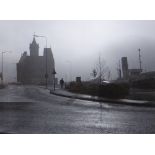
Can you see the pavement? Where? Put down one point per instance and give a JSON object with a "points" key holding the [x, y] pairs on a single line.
{"points": [[65, 93], [32, 109]]}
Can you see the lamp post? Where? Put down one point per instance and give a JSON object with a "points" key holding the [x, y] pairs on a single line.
{"points": [[46, 74], [140, 61], [54, 72], [2, 64]]}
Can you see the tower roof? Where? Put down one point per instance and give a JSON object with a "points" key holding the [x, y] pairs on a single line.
{"points": [[34, 48], [34, 40], [34, 43]]}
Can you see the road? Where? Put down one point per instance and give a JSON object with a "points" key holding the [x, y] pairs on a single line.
{"points": [[31, 109]]}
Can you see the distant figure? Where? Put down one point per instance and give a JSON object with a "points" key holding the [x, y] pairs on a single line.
{"points": [[62, 83]]}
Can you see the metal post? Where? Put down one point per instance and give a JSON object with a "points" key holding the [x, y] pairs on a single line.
{"points": [[2, 68], [140, 61], [54, 82], [54, 72], [46, 63]]}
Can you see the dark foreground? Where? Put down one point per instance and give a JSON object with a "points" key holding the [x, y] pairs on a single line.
{"points": [[31, 109]]}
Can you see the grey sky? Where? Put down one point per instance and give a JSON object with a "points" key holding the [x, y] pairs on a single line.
{"points": [[77, 44]]}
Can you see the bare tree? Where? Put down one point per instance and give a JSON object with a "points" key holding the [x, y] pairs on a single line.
{"points": [[94, 73], [101, 71], [109, 75]]}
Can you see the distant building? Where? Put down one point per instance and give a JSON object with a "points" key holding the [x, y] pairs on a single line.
{"points": [[148, 75], [134, 73], [145, 81], [125, 70], [129, 73], [32, 69], [78, 79]]}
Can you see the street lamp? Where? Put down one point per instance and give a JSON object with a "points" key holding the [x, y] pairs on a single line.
{"points": [[46, 74], [54, 72], [2, 64]]}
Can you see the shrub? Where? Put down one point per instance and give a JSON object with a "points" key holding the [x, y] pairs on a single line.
{"points": [[73, 86], [114, 90], [2, 86], [108, 91], [144, 84]]}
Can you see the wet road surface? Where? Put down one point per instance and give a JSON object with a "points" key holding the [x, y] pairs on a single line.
{"points": [[31, 109]]}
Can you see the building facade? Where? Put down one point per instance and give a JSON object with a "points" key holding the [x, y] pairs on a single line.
{"points": [[129, 74], [125, 70], [134, 73], [32, 69]]}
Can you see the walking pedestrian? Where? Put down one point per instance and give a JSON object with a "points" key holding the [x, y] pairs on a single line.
{"points": [[62, 83]]}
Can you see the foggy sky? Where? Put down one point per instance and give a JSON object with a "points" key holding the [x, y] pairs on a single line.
{"points": [[76, 45]]}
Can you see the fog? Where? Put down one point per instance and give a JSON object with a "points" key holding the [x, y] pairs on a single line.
{"points": [[76, 45]]}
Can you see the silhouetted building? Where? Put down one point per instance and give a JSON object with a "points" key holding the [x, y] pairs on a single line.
{"points": [[134, 73], [147, 75], [145, 81], [78, 79], [125, 70], [32, 69]]}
